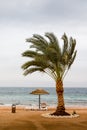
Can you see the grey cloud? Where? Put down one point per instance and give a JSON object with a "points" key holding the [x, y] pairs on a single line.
{"points": [[43, 11], [67, 9], [27, 10], [45, 15]]}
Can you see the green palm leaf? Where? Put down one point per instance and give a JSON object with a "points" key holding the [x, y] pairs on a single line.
{"points": [[32, 70], [48, 56]]}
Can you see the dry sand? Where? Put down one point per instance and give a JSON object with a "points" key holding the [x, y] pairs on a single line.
{"points": [[32, 120]]}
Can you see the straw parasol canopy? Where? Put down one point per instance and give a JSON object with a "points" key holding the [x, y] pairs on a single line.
{"points": [[39, 92]]}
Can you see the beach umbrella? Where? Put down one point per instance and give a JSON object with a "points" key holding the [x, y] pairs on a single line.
{"points": [[39, 92]]}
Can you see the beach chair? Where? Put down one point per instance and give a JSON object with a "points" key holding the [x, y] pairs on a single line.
{"points": [[43, 106], [28, 107], [34, 107]]}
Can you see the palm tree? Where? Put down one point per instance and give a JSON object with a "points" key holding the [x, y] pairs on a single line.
{"points": [[48, 57]]}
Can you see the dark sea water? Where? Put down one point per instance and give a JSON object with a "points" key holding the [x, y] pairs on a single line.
{"points": [[22, 96]]}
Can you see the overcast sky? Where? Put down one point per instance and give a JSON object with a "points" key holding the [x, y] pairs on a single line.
{"points": [[19, 19]]}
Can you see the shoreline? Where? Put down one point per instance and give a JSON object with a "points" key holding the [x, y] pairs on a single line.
{"points": [[27, 107]]}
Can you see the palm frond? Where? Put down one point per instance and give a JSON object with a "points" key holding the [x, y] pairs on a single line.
{"points": [[39, 45], [35, 42], [29, 53], [72, 46], [72, 60], [52, 38], [41, 39], [53, 42], [32, 70], [36, 63], [65, 46]]}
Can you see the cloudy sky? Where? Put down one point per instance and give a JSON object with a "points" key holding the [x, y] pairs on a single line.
{"points": [[19, 19]]}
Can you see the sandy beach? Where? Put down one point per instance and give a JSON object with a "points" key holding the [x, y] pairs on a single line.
{"points": [[33, 120]]}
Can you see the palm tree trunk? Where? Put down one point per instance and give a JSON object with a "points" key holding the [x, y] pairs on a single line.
{"points": [[60, 110]]}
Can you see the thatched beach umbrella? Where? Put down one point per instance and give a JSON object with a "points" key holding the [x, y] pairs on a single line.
{"points": [[39, 92]]}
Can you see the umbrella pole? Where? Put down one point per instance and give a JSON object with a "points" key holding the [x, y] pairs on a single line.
{"points": [[39, 101]]}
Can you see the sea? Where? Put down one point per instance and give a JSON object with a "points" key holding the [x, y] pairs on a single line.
{"points": [[21, 96]]}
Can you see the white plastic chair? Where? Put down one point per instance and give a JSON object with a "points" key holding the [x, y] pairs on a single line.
{"points": [[43, 106]]}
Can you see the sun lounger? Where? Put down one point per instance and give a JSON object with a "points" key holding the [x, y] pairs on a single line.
{"points": [[31, 107], [43, 106]]}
